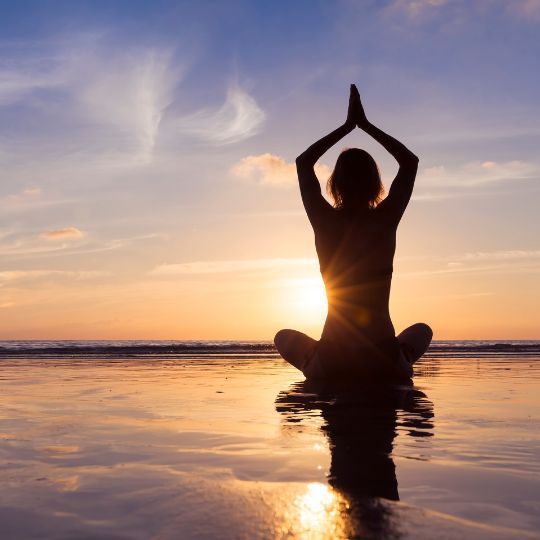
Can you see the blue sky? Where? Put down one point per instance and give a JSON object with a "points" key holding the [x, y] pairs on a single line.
{"points": [[141, 141]]}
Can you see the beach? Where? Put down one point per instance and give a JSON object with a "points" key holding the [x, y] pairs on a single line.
{"points": [[229, 441], [193, 192]]}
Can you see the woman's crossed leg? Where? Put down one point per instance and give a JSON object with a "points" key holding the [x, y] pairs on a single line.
{"points": [[295, 347], [415, 340]]}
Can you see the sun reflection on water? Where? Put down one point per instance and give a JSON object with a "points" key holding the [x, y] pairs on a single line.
{"points": [[319, 513]]}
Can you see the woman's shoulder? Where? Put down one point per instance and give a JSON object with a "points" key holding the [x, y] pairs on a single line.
{"points": [[383, 215]]}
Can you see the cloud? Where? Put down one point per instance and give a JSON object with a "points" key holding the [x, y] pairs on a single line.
{"points": [[28, 195], [32, 192], [478, 173], [524, 8], [500, 255], [439, 196], [128, 91], [454, 10], [20, 275], [415, 8], [61, 234], [29, 199], [271, 169], [238, 118], [533, 268], [18, 83], [230, 266], [510, 261], [111, 100], [100, 111], [19, 244]]}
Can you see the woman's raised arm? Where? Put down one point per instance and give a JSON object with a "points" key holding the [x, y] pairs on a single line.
{"points": [[402, 186], [310, 188]]}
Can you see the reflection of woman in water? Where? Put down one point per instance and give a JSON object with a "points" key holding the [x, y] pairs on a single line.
{"points": [[355, 242], [360, 424]]}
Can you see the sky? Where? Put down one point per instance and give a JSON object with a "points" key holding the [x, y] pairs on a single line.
{"points": [[147, 180]]}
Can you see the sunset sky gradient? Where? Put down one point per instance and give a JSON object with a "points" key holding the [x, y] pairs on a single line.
{"points": [[147, 182]]}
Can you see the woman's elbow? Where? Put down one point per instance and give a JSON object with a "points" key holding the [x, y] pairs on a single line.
{"points": [[301, 159], [411, 161]]}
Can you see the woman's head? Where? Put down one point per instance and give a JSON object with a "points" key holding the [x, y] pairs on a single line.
{"points": [[355, 182]]}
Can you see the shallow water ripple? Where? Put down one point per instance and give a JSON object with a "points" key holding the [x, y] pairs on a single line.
{"points": [[190, 448]]}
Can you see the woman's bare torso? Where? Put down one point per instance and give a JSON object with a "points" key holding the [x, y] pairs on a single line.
{"points": [[356, 252]]}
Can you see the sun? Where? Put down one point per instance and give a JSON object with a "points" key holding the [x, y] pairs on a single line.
{"points": [[307, 297]]}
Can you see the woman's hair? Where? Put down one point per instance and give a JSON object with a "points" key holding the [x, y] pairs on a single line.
{"points": [[355, 181]]}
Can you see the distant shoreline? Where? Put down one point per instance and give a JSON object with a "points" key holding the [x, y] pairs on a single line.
{"points": [[233, 349]]}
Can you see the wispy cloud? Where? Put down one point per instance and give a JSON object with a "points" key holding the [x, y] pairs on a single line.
{"points": [[16, 83], [453, 10], [453, 263], [128, 91], [510, 261], [14, 204], [478, 173], [230, 266], [24, 275], [123, 91], [62, 234], [414, 8], [500, 255], [99, 112], [28, 198], [238, 118], [484, 269], [524, 8], [271, 169], [18, 244], [28, 194], [433, 197], [32, 191]]}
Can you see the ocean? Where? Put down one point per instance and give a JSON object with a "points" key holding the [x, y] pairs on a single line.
{"points": [[223, 439], [231, 349]]}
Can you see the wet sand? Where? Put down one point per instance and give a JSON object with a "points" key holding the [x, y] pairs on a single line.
{"points": [[243, 448]]}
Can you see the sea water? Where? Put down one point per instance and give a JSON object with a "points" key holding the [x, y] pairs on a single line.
{"points": [[142, 439]]}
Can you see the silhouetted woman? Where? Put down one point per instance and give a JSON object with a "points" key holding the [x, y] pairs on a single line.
{"points": [[355, 242]]}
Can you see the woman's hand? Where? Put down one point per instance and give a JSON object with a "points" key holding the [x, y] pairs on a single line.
{"points": [[354, 108], [361, 119]]}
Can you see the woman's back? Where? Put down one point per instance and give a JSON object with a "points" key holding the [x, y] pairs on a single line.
{"points": [[356, 251]]}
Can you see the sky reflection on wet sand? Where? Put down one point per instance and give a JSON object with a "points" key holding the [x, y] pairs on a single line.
{"points": [[193, 448]]}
